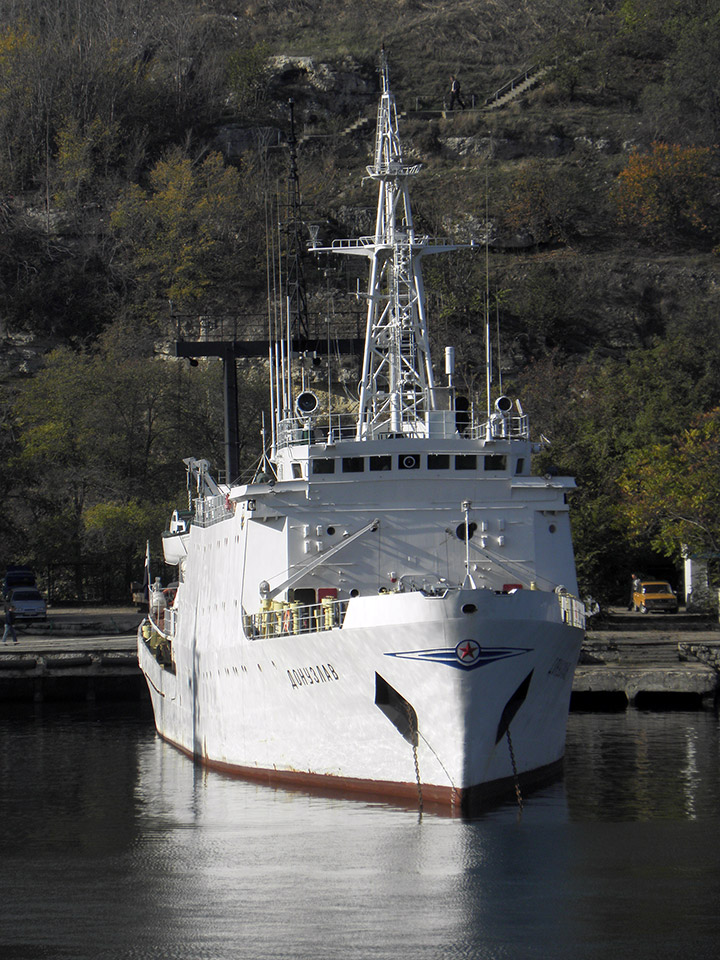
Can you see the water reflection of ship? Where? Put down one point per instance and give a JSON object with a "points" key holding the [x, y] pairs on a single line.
{"points": [[388, 606]]}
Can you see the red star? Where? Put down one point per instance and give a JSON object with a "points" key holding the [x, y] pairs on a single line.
{"points": [[469, 651]]}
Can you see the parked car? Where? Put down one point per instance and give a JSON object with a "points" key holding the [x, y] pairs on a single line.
{"points": [[28, 604], [655, 596], [17, 577]]}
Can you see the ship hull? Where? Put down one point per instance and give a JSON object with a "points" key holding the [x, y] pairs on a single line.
{"points": [[449, 801], [411, 698]]}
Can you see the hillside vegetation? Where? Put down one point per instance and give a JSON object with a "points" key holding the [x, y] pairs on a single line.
{"points": [[142, 155]]}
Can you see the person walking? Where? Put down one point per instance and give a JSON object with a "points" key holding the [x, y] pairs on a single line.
{"points": [[455, 93], [9, 630], [634, 588]]}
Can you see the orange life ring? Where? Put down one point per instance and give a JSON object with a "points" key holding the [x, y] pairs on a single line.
{"points": [[286, 622]]}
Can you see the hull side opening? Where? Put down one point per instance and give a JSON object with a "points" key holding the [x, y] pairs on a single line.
{"points": [[512, 707], [397, 709]]}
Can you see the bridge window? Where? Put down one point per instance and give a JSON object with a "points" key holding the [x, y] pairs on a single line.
{"points": [[466, 461], [323, 465], [495, 461], [520, 465], [297, 471], [438, 461], [409, 461], [353, 464], [381, 463]]}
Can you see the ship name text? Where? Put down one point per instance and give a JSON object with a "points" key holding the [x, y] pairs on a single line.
{"points": [[307, 676]]}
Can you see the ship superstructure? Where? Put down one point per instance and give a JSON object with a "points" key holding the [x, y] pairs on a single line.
{"points": [[390, 606]]}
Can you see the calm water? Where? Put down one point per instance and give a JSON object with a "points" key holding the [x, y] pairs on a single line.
{"points": [[113, 845]]}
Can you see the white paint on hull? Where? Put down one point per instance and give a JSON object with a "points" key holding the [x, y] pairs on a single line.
{"points": [[306, 703]]}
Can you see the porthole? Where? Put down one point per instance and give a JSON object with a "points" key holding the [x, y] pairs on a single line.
{"points": [[552, 528], [469, 608], [330, 531]]}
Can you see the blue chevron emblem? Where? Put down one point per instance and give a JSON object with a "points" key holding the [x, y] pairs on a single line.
{"points": [[467, 655]]}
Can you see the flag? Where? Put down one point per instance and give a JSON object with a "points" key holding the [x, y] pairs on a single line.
{"points": [[146, 575]]}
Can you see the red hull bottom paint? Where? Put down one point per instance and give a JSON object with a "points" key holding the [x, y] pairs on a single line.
{"points": [[446, 801]]}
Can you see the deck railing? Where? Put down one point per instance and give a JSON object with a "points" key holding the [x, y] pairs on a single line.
{"points": [[209, 510], [280, 617], [338, 427], [288, 618]]}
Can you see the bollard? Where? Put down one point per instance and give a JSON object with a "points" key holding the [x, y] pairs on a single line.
{"points": [[328, 613], [265, 617], [295, 615]]}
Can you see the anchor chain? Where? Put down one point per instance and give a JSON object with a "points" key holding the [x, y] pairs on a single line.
{"points": [[414, 743], [518, 794]]}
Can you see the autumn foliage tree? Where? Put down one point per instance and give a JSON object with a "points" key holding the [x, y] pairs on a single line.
{"points": [[672, 490], [669, 192], [545, 202], [181, 236]]}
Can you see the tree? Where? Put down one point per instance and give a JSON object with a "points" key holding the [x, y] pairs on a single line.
{"points": [[609, 418], [247, 75], [89, 429], [82, 155], [95, 443], [23, 116], [672, 490], [182, 235], [686, 35], [668, 192], [545, 201]]}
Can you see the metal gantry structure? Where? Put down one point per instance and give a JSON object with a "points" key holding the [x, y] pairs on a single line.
{"points": [[294, 309]]}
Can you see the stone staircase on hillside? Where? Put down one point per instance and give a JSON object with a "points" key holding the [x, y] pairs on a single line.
{"points": [[503, 95], [361, 125], [516, 87]]}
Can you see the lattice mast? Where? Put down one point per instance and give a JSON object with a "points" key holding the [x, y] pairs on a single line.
{"points": [[397, 388]]}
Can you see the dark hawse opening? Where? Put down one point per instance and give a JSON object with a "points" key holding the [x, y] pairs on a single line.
{"points": [[512, 707], [397, 709]]}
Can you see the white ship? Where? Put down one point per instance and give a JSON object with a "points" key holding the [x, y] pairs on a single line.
{"points": [[390, 607]]}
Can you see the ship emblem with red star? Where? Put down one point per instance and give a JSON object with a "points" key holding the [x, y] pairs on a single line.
{"points": [[467, 651], [467, 655]]}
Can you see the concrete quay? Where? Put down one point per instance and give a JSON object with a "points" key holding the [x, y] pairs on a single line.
{"points": [[77, 654], [648, 661]]}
